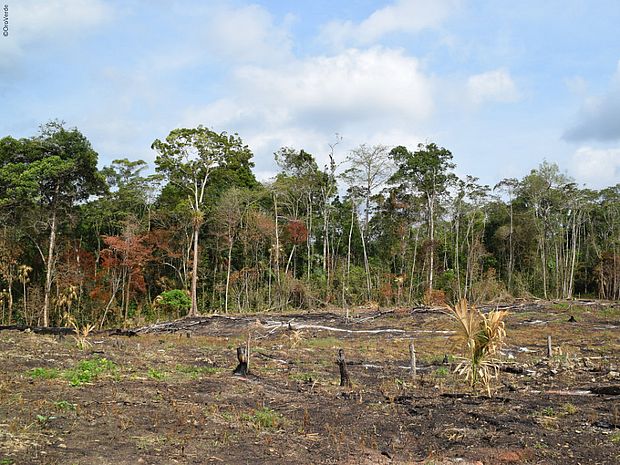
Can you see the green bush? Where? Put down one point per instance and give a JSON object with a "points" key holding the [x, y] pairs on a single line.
{"points": [[174, 300]]}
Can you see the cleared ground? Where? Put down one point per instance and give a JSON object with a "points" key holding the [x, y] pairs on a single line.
{"points": [[167, 395]]}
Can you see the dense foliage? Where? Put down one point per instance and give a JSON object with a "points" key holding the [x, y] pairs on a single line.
{"points": [[394, 226]]}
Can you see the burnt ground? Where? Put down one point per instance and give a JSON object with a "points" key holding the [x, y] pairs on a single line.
{"points": [[166, 395]]}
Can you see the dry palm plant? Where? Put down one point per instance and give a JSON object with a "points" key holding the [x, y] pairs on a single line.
{"points": [[81, 332], [482, 337]]}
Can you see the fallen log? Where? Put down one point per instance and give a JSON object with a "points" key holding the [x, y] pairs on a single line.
{"points": [[53, 330]]}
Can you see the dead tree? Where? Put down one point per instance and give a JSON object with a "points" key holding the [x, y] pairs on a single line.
{"points": [[242, 356], [345, 381]]}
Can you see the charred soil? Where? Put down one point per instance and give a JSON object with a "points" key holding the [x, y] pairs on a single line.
{"points": [[166, 393]]}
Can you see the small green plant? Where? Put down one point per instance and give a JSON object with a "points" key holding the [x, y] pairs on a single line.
{"points": [[65, 405], [44, 373], [548, 412], [156, 374], [87, 370], [43, 420], [263, 418], [441, 372], [615, 437], [6, 461], [569, 409]]}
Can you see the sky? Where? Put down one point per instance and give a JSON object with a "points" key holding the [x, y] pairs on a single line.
{"points": [[503, 85]]}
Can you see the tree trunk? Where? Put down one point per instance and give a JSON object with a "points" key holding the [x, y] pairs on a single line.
{"points": [[431, 264], [49, 265], [194, 310], [230, 246], [366, 265]]}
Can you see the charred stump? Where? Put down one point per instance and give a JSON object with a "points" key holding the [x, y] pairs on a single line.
{"points": [[242, 356], [345, 381]]}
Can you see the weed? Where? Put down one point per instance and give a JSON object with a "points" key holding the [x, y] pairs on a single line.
{"points": [[263, 418], [441, 372], [6, 461], [615, 437], [569, 409], [156, 374], [44, 373], [65, 405], [194, 371], [43, 420], [548, 412], [87, 370]]}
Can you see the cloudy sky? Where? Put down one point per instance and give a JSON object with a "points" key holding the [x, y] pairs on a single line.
{"points": [[503, 84]]}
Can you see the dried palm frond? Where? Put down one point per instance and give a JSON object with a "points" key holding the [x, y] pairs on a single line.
{"points": [[81, 332], [482, 336]]}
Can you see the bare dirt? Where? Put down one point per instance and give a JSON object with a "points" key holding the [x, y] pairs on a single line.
{"points": [[166, 395]]}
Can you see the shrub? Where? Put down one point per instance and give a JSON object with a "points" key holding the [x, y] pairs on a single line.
{"points": [[174, 300]]}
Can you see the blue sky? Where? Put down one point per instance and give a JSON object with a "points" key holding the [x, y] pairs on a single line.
{"points": [[502, 84]]}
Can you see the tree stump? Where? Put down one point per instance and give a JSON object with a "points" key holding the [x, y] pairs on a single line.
{"points": [[413, 363], [345, 381], [242, 356]]}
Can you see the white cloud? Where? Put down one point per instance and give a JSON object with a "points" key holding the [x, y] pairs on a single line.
{"points": [[492, 86], [246, 34], [408, 16], [599, 116], [597, 167], [359, 93]]}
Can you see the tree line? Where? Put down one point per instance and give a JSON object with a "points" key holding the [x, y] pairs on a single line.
{"points": [[385, 225]]}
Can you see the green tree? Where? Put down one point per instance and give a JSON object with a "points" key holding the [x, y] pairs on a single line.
{"points": [[188, 158], [427, 174], [54, 170]]}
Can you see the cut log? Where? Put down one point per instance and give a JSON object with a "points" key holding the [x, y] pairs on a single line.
{"points": [[242, 356], [345, 381]]}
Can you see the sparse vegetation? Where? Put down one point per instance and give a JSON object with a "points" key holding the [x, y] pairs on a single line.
{"points": [[263, 418], [481, 336], [162, 389]]}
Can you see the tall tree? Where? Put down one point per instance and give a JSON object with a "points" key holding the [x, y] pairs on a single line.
{"points": [[188, 157], [427, 172]]}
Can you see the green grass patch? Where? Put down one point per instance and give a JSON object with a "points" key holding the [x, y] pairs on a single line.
{"points": [[195, 372], [44, 373], [87, 370], [264, 418], [303, 377], [84, 372]]}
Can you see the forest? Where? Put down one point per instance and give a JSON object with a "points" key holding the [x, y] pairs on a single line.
{"points": [[197, 233]]}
